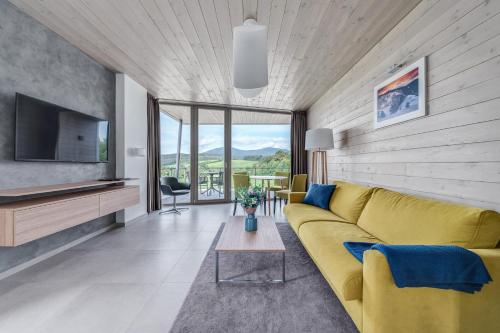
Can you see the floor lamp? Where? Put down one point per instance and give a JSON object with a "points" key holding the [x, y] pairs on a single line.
{"points": [[319, 140]]}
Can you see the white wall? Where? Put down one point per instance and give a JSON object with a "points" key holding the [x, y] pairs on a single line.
{"points": [[454, 152], [131, 132]]}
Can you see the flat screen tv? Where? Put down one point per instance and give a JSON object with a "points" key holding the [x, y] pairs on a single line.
{"points": [[48, 132]]}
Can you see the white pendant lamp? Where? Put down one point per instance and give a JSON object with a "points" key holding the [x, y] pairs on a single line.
{"points": [[250, 58]]}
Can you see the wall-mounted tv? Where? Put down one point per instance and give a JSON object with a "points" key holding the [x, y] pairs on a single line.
{"points": [[48, 132]]}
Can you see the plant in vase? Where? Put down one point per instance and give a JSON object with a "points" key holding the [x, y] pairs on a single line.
{"points": [[250, 198]]}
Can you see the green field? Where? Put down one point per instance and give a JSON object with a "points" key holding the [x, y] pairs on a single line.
{"points": [[236, 164], [263, 165], [218, 164]]}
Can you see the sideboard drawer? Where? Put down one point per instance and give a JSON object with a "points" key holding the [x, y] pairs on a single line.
{"points": [[25, 220], [117, 200], [36, 222]]}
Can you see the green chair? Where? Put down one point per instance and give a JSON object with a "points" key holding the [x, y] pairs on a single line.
{"points": [[240, 181], [277, 183], [299, 183], [241, 173]]}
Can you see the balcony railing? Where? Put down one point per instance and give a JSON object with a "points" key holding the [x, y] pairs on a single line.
{"points": [[184, 173]]}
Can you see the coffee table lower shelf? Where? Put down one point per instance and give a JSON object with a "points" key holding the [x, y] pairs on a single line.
{"points": [[217, 279]]}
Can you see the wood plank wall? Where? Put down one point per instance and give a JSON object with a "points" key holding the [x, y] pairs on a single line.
{"points": [[453, 153]]}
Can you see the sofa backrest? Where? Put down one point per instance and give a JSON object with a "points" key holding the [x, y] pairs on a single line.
{"points": [[348, 200], [398, 218]]}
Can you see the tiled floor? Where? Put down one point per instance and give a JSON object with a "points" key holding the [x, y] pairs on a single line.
{"points": [[131, 279]]}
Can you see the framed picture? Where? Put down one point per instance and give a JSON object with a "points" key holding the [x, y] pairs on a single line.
{"points": [[402, 96]]}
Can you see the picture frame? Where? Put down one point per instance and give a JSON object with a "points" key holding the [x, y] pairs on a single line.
{"points": [[401, 97]]}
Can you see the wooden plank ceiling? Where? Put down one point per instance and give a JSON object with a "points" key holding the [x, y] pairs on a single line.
{"points": [[182, 49]]}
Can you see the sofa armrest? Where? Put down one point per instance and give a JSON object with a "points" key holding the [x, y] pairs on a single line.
{"points": [[387, 308], [296, 197]]}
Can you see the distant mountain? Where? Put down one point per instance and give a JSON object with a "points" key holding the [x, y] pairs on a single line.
{"points": [[214, 152], [240, 153], [171, 158]]}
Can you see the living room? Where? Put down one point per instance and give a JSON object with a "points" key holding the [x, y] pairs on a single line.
{"points": [[250, 166]]}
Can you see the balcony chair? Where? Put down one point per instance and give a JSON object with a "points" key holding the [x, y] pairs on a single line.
{"points": [[299, 183], [219, 182], [203, 181], [170, 186], [277, 184]]}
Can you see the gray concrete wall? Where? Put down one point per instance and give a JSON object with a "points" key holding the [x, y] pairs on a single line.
{"points": [[37, 62]]}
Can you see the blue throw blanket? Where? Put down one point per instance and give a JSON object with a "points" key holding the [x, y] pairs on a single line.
{"points": [[434, 266]]}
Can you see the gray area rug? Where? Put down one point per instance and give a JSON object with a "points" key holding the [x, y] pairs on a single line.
{"points": [[305, 303]]}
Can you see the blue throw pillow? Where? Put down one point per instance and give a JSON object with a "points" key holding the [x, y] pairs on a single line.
{"points": [[319, 195]]}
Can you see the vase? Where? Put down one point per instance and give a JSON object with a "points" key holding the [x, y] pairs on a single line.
{"points": [[250, 219]]}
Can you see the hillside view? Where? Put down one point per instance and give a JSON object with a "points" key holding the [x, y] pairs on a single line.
{"points": [[256, 161], [259, 149]]}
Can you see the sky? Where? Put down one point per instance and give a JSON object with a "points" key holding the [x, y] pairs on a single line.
{"points": [[103, 130], [245, 137]]}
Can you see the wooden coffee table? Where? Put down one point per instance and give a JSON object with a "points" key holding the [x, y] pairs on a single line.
{"points": [[234, 238]]}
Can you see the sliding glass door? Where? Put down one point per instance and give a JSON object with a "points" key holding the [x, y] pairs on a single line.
{"points": [[203, 146], [212, 154]]}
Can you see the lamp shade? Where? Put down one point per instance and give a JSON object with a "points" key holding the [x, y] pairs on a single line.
{"points": [[319, 139], [250, 74]]}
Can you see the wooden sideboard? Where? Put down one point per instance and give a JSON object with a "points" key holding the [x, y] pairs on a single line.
{"points": [[26, 220]]}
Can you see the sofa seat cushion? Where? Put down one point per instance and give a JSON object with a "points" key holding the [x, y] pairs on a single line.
{"points": [[299, 213], [398, 218], [324, 243], [349, 199]]}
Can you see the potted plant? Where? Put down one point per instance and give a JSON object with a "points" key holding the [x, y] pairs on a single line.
{"points": [[250, 199]]}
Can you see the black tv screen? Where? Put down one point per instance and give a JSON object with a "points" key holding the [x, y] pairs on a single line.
{"points": [[48, 132]]}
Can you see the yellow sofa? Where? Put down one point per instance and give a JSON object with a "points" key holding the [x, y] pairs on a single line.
{"points": [[367, 291]]}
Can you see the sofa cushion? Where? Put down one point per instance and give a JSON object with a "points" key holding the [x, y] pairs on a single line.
{"points": [[349, 199], [299, 213], [319, 195], [398, 218], [324, 242]]}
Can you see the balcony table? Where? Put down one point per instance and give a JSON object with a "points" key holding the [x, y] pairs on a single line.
{"points": [[268, 179], [211, 188]]}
